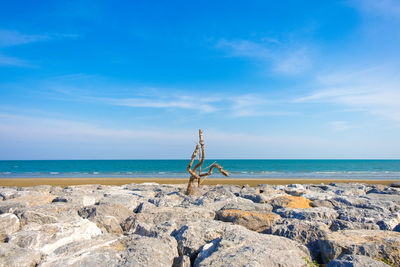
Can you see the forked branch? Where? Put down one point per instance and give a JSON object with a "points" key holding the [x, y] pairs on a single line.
{"points": [[200, 177]]}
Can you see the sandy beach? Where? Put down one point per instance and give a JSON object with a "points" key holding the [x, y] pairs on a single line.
{"points": [[23, 182]]}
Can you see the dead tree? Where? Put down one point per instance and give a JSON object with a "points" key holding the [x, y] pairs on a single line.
{"points": [[199, 176]]}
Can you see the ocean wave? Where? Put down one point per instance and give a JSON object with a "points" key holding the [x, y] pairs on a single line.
{"points": [[234, 174], [327, 172]]}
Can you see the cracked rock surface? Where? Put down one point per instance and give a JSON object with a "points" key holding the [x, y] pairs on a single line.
{"points": [[158, 225]]}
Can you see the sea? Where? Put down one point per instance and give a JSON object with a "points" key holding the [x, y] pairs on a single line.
{"points": [[238, 168]]}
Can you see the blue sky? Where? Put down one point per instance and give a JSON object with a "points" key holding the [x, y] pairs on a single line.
{"points": [[136, 79]]}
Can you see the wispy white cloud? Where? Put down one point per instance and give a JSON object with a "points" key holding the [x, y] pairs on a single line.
{"points": [[80, 87], [294, 62], [282, 59], [244, 48], [11, 38], [386, 8], [252, 105], [341, 126], [180, 102], [13, 61], [374, 90], [247, 105], [45, 128]]}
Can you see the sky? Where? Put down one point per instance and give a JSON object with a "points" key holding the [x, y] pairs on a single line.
{"points": [[136, 79]]}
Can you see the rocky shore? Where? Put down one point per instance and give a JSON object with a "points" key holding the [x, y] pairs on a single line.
{"points": [[158, 225]]}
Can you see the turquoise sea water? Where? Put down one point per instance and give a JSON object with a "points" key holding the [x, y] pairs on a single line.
{"points": [[324, 169]]}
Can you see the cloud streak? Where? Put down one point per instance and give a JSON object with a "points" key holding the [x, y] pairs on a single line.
{"points": [[372, 90], [13, 61], [181, 102], [49, 129], [79, 88], [11, 38], [341, 126], [281, 59], [14, 38], [385, 8], [247, 105]]}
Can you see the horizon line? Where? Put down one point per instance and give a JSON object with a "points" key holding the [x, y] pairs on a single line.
{"points": [[206, 159]]}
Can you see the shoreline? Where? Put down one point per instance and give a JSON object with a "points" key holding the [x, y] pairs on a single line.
{"points": [[24, 182]]}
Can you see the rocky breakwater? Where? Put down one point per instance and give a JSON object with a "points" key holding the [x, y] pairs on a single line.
{"points": [[158, 225]]}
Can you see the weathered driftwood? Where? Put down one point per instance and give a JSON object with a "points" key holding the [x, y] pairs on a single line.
{"points": [[200, 177]]}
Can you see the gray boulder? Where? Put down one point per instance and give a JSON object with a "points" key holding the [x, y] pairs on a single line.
{"points": [[29, 198], [291, 202], [338, 224], [48, 213], [107, 217], [9, 223], [83, 195], [193, 235], [101, 250], [47, 238], [322, 203], [385, 220], [177, 215], [372, 243], [172, 199], [253, 220], [128, 201], [247, 205], [395, 185], [388, 198], [241, 247], [306, 232], [161, 230], [295, 189], [15, 256], [213, 243], [349, 189], [182, 261], [147, 251], [217, 193], [111, 250], [11, 207], [7, 192], [356, 261], [311, 214]]}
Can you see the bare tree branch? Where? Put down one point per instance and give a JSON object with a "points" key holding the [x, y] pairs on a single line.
{"points": [[198, 176], [201, 160], [193, 173], [210, 171]]}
